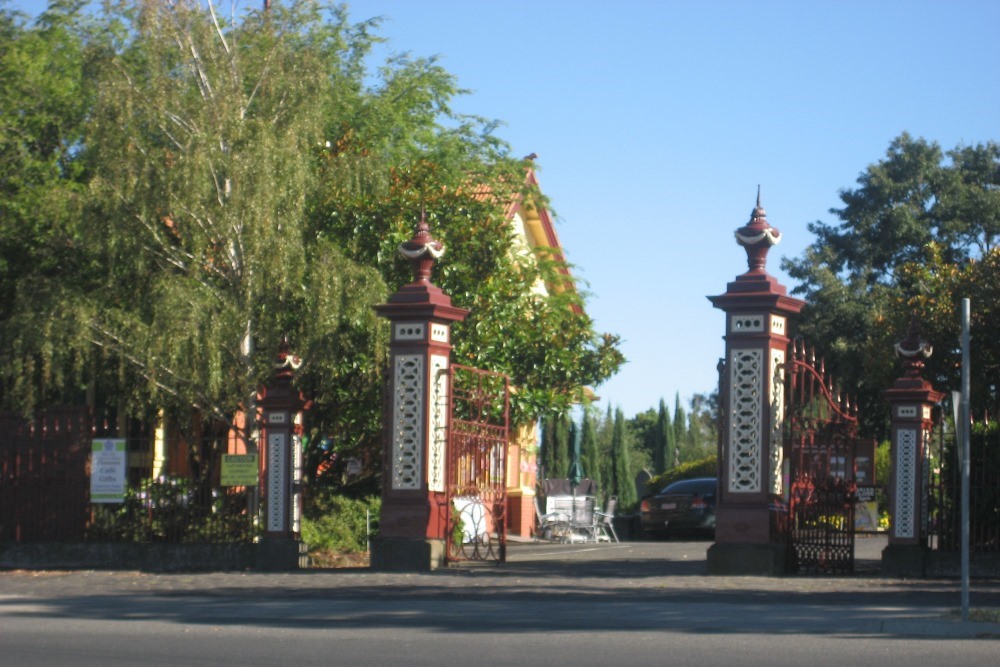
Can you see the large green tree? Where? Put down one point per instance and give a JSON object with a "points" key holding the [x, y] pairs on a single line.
{"points": [[918, 233], [45, 98], [192, 185]]}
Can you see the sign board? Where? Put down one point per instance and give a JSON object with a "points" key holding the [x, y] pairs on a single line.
{"points": [[107, 471], [865, 493], [239, 470]]}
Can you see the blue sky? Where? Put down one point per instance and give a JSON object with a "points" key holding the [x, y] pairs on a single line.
{"points": [[654, 122]]}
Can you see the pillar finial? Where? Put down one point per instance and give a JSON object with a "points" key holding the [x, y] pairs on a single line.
{"points": [[422, 249], [757, 237], [913, 350]]}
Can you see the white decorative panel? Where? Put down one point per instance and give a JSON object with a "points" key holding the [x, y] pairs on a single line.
{"points": [[277, 474], [745, 396], [906, 411], [437, 454], [297, 480], [778, 325], [406, 414], [439, 332], [927, 412], [777, 418], [749, 323], [277, 417], [904, 521], [408, 331]]}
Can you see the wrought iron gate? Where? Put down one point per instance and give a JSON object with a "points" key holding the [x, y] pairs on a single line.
{"points": [[477, 464], [820, 443]]}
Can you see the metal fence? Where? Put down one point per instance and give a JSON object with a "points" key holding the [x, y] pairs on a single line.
{"points": [[45, 487], [945, 515]]}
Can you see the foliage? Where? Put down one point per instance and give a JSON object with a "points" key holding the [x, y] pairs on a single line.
{"points": [[174, 510], [706, 467], [984, 488], [680, 427], [664, 446], [332, 521], [588, 449], [180, 190], [623, 477], [918, 233]]}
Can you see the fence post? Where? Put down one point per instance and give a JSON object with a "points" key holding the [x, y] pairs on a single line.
{"points": [[414, 518], [757, 309], [911, 399]]}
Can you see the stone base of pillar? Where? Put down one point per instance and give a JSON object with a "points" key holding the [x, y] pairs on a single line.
{"points": [[768, 560], [743, 524], [279, 554], [904, 560], [396, 554]]}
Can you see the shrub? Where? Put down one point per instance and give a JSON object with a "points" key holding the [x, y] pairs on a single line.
{"points": [[706, 467], [333, 522]]}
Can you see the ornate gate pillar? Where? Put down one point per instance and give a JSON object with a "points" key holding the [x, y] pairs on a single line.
{"points": [[911, 399], [757, 309], [414, 515], [281, 408]]}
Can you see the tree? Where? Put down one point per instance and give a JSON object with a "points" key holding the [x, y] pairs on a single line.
{"points": [[45, 95], [588, 448], [918, 233], [622, 479], [210, 185], [702, 432], [556, 446], [663, 458], [680, 429]]}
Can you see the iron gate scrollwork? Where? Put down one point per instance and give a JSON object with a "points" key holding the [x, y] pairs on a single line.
{"points": [[479, 421], [820, 442]]}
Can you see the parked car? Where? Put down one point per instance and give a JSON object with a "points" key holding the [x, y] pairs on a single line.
{"points": [[686, 506]]}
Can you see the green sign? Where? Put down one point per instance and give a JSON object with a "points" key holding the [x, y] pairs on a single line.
{"points": [[239, 470]]}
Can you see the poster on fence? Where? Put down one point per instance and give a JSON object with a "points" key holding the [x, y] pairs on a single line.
{"points": [[107, 471], [239, 470]]}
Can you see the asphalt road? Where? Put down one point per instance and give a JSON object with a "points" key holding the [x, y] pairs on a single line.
{"points": [[604, 605]]}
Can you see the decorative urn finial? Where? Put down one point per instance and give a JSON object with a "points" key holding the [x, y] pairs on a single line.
{"points": [[287, 363], [913, 350], [422, 249], [757, 237]]}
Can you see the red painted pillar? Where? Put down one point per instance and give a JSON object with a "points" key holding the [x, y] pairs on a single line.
{"points": [[911, 399], [752, 390], [414, 506], [282, 409]]}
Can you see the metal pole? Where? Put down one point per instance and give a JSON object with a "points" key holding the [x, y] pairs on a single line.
{"points": [[966, 427]]}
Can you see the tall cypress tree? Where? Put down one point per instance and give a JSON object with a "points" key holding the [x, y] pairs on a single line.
{"points": [[680, 428], [562, 444], [623, 484], [589, 450], [548, 449], [663, 439]]}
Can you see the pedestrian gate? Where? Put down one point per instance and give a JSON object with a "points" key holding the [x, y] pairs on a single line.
{"points": [[477, 461], [820, 443]]}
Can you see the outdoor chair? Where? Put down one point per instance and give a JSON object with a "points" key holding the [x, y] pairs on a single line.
{"points": [[604, 522], [551, 526]]}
